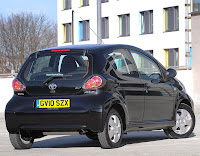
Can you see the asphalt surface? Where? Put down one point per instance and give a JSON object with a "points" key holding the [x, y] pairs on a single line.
{"points": [[133, 144]]}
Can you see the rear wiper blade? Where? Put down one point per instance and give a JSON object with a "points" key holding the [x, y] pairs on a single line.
{"points": [[55, 77]]}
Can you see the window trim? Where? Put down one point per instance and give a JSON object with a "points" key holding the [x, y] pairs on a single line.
{"points": [[164, 20], [121, 24], [140, 18]]}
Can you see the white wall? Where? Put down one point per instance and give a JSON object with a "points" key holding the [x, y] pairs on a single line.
{"points": [[185, 76], [6, 92], [156, 41]]}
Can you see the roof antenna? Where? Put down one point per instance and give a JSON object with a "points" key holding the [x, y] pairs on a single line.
{"points": [[99, 38]]}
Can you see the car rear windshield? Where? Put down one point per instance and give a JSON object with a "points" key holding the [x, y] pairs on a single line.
{"points": [[74, 65]]}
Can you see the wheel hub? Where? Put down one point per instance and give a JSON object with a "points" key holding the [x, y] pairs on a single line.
{"points": [[114, 128], [183, 122]]}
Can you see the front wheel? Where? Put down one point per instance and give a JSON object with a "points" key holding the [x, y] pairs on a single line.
{"points": [[20, 142], [185, 123], [111, 136]]}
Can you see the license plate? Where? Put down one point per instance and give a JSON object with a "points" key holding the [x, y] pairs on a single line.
{"points": [[53, 103]]}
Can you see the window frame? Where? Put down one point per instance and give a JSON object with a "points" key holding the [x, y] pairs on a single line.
{"points": [[64, 4], [166, 19], [106, 35], [142, 22], [65, 26], [127, 26], [83, 33], [104, 1], [82, 3]]}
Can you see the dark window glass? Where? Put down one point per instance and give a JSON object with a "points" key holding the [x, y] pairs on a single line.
{"points": [[103, 1], [66, 4], [67, 33], [124, 25], [105, 28], [84, 30], [84, 3], [196, 5], [171, 16], [146, 18], [47, 65]]}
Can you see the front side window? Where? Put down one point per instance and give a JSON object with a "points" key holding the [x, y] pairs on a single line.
{"points": [[124, 25], [84, 3], [84, 30], [171, 19], [146, 67], [146, 18], [119, 63], [67, 33], [66, 4]]}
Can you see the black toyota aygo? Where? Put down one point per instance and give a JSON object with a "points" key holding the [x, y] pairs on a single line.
{"points": [[101, 91]]}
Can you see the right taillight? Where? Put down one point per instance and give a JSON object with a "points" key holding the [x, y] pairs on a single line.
{"points": [[17, 86], [93, 83]]}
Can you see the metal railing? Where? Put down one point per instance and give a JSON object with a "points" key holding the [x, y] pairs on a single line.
{"points": [[8, 75]]}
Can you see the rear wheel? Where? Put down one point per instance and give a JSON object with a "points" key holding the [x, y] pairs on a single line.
{"points": [[185, 123], [111, 136], [20, 142]]}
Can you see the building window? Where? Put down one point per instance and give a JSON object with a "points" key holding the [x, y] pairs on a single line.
{"points": [[171, 19], [84, 3], [146, 20], [171, 57], [66, 4], [104, 28], [150, 52], [84, 30], [124, 25], [104, 1], [67, 32], [196, 5]]}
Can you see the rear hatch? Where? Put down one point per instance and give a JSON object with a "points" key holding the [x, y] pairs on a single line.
{"points": [[56, 72]]}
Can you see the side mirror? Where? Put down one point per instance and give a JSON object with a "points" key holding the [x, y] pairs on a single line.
{"points": [[171, 73]]}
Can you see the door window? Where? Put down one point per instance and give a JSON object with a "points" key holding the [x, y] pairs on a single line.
{"points": [[118, 63], [147, 68]]}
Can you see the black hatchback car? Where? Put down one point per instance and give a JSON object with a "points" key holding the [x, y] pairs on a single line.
{"points": [[102, 91]]}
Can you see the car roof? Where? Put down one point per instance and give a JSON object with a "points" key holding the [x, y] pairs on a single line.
{"points": [[93, 47]]}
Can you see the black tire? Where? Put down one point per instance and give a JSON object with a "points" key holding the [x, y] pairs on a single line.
{"points": [[174, 135], [19, 143], [104, 138], [92, 136]]}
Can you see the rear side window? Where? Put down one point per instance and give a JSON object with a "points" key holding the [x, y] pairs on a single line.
{"points": [[47, 65], [119, 64]]}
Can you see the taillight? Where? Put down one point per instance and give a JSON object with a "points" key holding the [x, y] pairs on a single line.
{"points": [[60, 50], [17, 86], [93, 83]]}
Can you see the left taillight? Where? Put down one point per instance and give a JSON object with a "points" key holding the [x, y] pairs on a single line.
{"points": [[18, 86], [94, 83]]}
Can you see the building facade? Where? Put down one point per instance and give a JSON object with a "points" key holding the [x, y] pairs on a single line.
{"points": [[161, 27]]}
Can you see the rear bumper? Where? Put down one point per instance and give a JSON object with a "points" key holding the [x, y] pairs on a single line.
{"points": [[86, 113], [54, 122]]}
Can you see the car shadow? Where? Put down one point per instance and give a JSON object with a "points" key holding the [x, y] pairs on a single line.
{"points": [[83, 141]]}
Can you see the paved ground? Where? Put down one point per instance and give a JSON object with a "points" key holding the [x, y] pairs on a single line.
{"points": [[135, 143]]}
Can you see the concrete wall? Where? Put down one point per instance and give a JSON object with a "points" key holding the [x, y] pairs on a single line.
{"points": [[196, 53], [157, 41], [7, 92]]}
